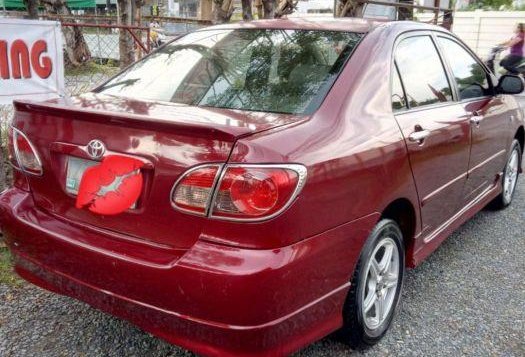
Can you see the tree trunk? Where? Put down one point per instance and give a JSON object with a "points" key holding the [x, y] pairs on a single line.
{"points": [[138, 22], [350, 8], [222, 11], [127, 54], [269, 8], [247, 10], [32, 8], [76, 47], [285, 7], [404, 13], [259, 6]]}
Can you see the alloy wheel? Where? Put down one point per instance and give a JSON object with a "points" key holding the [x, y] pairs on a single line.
{"points": [[382, 277], [511, 176]]}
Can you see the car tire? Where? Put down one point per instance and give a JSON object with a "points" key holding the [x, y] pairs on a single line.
{"points": [[509, 178], [361, 328]]}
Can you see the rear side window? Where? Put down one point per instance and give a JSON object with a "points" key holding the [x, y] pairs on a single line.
{"points": [[471, 78], [422, 72]]}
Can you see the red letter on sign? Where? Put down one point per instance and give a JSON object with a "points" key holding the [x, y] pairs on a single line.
{"points": [[20, 58], [42, 69], [4, 63]]}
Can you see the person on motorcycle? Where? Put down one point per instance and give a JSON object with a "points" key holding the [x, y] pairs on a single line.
{"points": [[516, 44], [154, 34]]}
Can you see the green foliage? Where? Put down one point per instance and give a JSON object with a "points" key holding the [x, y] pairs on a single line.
{"points": [[7, 276], [488, 5], [92, 67]]}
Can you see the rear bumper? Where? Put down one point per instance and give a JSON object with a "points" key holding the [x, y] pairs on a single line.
{"points": [[212, 299]]}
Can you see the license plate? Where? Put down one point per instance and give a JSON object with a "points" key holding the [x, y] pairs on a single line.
{"points": [[75, 170]]}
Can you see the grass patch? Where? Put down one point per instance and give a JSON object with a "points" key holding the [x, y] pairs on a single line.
{"points": [[7, 275], [91, 67]]}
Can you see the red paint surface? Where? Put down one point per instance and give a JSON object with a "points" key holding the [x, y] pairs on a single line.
{"points": [[229, 288]]}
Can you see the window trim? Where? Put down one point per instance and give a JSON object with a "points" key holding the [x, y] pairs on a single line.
{"points": [[420, 33], [392, 76], [460, 43]]}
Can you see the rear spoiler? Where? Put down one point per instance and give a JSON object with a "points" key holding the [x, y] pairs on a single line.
{"points": [[208, 130]]}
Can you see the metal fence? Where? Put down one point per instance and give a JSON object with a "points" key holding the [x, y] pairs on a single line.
{"points": [[101, 34]]}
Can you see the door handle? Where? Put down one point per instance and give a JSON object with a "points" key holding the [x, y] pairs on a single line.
{"points": [[419, 136]]}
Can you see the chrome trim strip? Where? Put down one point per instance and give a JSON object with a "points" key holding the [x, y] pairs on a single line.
{"points": [[35, 152], [209, 201], [221, 171], [486, 161], [448, 222], [468, 173], [428, 197], [299, 169]]}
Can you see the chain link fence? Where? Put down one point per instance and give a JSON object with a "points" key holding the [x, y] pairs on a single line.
{"points": [[101, 34], [103, 45]]}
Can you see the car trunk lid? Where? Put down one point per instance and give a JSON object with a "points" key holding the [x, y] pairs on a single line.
{"points": [[167, 138]]}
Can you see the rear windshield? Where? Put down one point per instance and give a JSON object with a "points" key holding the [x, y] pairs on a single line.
{"points": [[285, 71]]}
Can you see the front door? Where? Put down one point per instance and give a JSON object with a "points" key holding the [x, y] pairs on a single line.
{"points": [[435, 127], [489, 117]]}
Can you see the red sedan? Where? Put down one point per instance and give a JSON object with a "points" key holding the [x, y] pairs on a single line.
{"points": [[251, 188]]}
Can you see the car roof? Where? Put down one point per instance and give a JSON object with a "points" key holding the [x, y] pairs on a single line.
{"points": [[324, 23]]}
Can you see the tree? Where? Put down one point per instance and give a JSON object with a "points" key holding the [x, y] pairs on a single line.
{"points": [[259, 7], [126, 51], [405, 13], [76, 47], [32, 8], [267, 9], [285, 7], [222, 11], [489, 4], [129, 15], [247, 10], [350, 8]]}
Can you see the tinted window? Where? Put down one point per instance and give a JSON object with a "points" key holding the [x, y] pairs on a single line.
{"points": [[422, 72], [398, 96], [288, 71], [470, 76]]}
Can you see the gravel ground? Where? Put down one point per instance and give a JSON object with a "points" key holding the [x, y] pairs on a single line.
{"points": [[468, 298]]}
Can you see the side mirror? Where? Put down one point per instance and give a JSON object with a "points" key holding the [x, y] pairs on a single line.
{"points": [[510, 84]]}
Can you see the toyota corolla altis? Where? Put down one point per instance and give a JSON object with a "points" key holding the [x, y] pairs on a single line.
{"points": [[248, 189]]}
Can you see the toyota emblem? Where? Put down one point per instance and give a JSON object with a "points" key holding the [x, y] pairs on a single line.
{"points": [[96, 149]]}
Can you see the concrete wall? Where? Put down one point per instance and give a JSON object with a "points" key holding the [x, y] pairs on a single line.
{"points": [[482, 30]]}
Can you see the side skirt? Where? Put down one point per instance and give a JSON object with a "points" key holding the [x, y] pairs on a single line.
{"points": [[436, 237]]}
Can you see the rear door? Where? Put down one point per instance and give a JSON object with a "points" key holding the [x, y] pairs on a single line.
{"points": [[435, 127], [488, 115]]}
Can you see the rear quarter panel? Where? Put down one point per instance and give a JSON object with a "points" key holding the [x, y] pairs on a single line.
{"points": [[352, 147]]}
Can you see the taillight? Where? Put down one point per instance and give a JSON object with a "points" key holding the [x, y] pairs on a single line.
{"points": [[243, 192], [11, 147], [192, 193], [25, 153]]}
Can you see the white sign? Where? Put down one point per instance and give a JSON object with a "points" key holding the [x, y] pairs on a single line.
{"points": [[31, 60]]}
